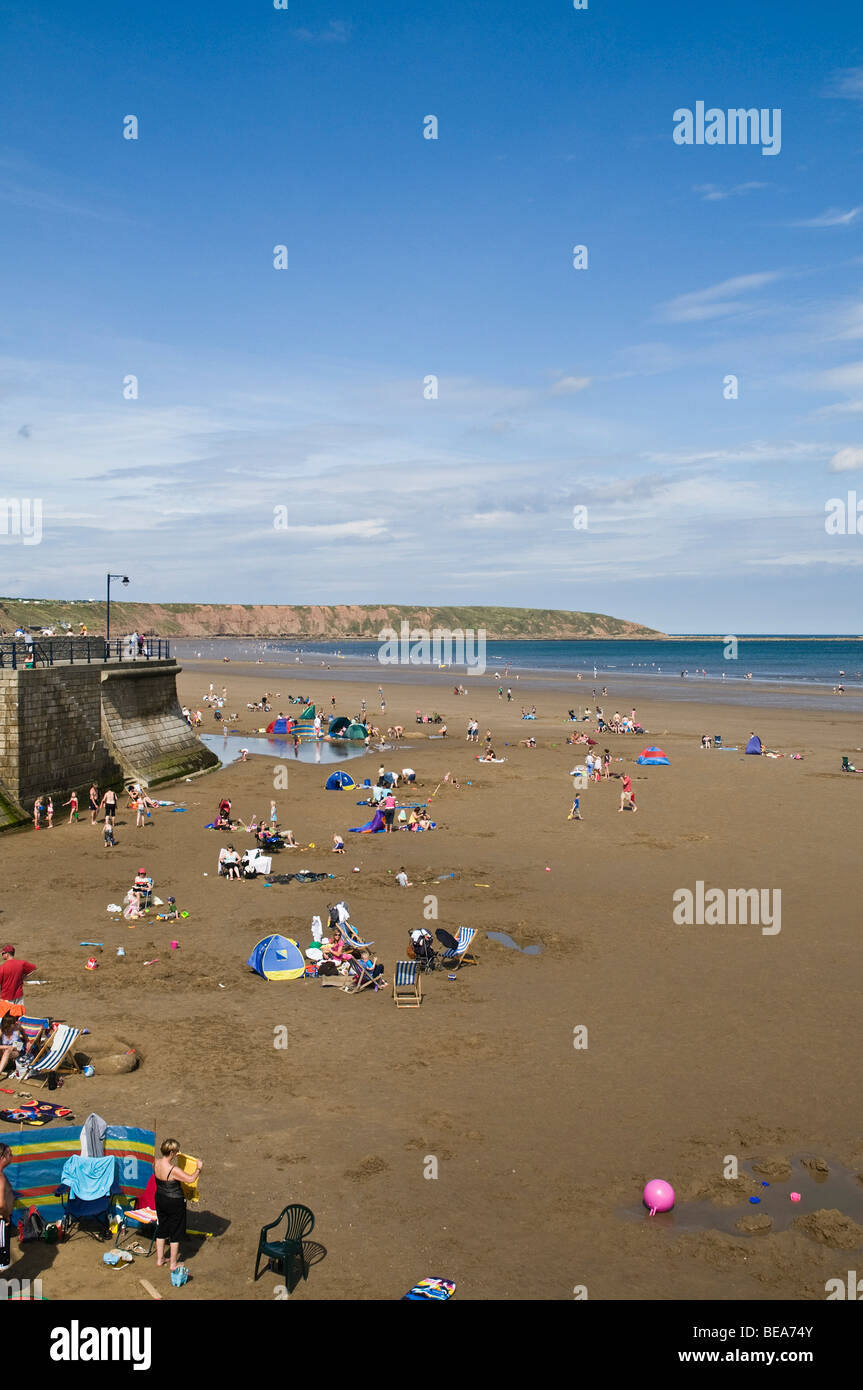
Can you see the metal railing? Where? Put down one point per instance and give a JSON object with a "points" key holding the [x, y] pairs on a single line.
{"points": [[16, 654]]}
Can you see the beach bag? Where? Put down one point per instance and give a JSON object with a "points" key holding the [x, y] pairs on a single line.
{"points": [[31, 1228], [179, 1276]]}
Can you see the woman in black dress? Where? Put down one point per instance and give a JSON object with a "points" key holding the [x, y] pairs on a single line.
{"points": [[170, 1202]]}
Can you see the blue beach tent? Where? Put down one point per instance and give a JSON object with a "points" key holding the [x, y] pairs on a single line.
{"points": [[337, 781], [277, 958], [754, 745]]}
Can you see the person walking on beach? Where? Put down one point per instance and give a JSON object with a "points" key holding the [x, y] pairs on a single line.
{"points": [[109, 801], [73, 804], [170, 1201], [575, 814], [274, 816], [49, 813], [94, 803], [13, 973]]}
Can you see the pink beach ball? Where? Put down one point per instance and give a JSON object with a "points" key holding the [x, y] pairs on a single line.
{"points": [[658, 1196]]}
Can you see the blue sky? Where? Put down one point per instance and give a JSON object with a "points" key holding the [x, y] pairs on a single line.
{"points": [[408, 257]]}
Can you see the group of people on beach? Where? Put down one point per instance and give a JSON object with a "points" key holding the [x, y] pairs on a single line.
{"points": [[43, 810]]}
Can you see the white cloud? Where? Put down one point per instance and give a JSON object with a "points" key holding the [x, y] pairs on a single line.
{"points": [[846, 460], [848, 83], [717, 301], [570, 385], [833, 217], [842, 408], [714, 193], [846, 378]]}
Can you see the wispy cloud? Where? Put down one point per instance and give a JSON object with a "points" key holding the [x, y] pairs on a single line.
{"points": [[714, 193], [758, 451], [847, 83], [570, 385], [19, 195], [833, 217], [337, 31], [842, 408], [846, 460], [717, 301], [847, 378]]}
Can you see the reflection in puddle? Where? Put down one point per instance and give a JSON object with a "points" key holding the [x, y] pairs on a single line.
{"points": [[227, 750]]}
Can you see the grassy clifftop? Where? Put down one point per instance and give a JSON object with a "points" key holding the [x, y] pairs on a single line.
{"points": [[336, 622]]}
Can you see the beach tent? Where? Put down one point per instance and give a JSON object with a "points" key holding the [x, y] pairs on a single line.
{"points": [[356, 731], [338, 726], [280, 726], [38, 1158], [308, 712], [652, 757], [373, 826], [277, 958], [339, 780], [754, 745]]}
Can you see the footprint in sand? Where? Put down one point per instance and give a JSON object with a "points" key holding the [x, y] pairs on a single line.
{"points": [[368, 1168]]}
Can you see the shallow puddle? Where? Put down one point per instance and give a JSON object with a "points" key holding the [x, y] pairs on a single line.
{"points": [[227, 750], [838, 1189]]}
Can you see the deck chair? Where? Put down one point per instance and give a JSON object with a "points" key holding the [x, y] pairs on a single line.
{"points": [[86, 1187], [362, 977], [140, 1220], [407, 986], [280, 1253], [352, 936], [55, 1055], [460, 953]]}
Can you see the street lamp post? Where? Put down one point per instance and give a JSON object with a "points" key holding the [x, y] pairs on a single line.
{"points": [[125, 579]]}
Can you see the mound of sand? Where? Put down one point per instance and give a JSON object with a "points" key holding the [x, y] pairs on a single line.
{"points": [[109, 1055]]}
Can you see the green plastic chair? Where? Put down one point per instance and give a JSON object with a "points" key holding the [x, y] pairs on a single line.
{"points": [[300, 1222]]}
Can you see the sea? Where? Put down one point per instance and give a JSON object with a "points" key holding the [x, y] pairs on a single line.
{"points": [[757, 668]]}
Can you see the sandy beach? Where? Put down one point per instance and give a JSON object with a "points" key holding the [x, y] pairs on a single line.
{"points": [[702, 1041]]}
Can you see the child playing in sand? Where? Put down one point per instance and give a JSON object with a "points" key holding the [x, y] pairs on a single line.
{"points": [[575, 814], [72, 803], [338, 844]]}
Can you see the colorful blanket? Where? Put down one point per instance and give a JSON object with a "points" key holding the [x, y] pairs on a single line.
{"points": [[36, 1113], [439, 1289]]}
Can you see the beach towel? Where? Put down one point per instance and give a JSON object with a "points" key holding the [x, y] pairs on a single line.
{"points": [[93, 1137], [437, 1289], [36, 1113], [188, 1164], [88, 1178]]}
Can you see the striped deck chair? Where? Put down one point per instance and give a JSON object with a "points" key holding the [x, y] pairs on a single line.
{"points": [[461, 954], [32, 1028], [362, 977], [407, 987], [352, 936], [55, 1055]]}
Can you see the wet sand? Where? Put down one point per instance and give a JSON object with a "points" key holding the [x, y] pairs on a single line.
{"points": [[703, 1041]]}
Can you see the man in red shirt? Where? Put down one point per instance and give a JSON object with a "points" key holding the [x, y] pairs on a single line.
{"points": [[12, 975]]}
